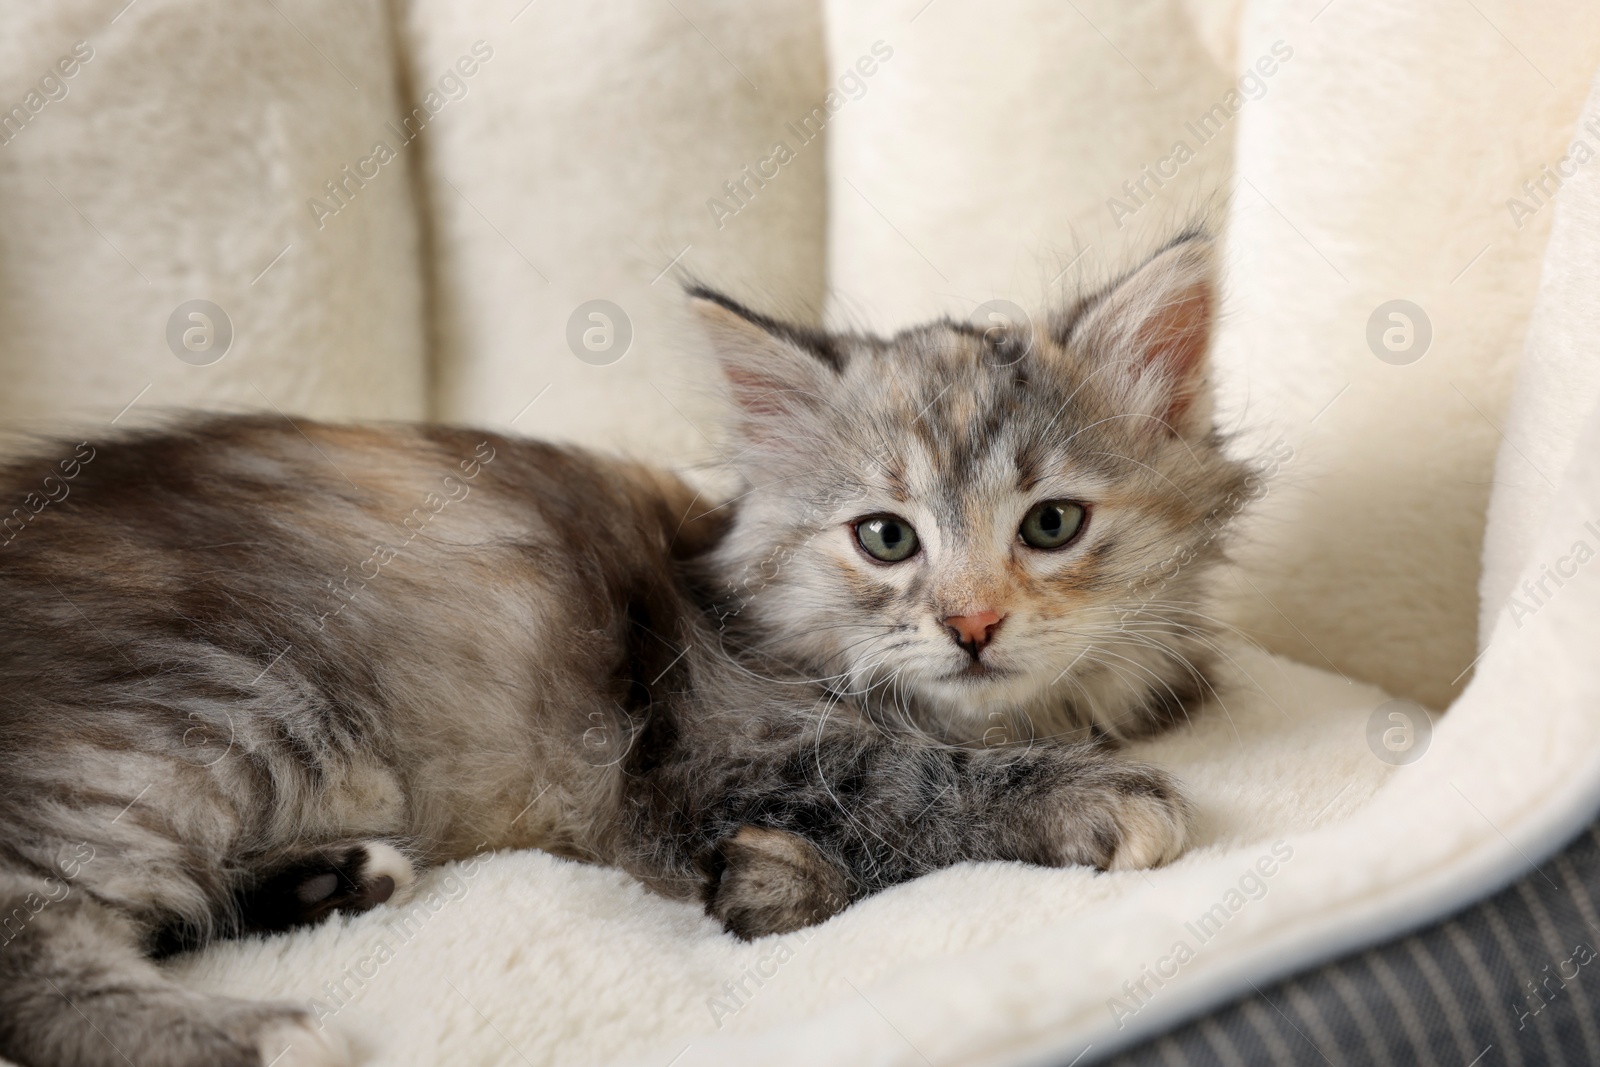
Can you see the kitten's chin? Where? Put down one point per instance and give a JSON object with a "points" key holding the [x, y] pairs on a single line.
{"points": [[977, 673], [974, 695]]}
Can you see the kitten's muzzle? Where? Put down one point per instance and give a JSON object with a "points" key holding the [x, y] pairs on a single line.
{"points": [[973, 632]]}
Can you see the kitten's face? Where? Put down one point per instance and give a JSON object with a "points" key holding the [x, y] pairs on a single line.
{"points": [[941, 518]]}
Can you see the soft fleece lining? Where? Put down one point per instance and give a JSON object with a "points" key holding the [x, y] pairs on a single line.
{"points": [[555, 962], [1384, 168], [178, 166]]}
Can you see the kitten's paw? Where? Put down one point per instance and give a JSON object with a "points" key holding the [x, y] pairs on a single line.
{"points": [[352, 876], [1126, 817], [294, 1040], [773, 882], [369, 873], [1154, 831]]}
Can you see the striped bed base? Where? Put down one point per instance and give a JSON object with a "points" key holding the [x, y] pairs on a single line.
{"points": [[1513, 980]]}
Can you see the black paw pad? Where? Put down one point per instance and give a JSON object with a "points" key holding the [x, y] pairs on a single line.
{"points": [[348, 878]]}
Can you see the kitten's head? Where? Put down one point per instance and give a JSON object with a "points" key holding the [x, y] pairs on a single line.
{"points": [[973, 522]]}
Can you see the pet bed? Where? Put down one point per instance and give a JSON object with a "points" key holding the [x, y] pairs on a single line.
{"points": [[1393, 153]]}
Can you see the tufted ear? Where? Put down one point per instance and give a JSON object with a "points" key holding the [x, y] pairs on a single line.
{"points": [[775, 371], [1151, 331]]}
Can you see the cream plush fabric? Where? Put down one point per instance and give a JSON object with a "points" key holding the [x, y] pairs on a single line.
{"points": [[575, 964], [178, 166], [980, 159], [1558, 383], [1380, 171], [577, 167]]}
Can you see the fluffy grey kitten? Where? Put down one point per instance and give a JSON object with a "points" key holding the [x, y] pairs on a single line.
{"points": [[256, 672], [975, 526]]}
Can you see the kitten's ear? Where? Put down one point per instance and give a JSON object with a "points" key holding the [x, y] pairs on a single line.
{"points": [[774, 370], [1150, 332]]}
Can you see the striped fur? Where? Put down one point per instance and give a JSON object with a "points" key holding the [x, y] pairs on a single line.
{"points": [[940, 426], [248, 663]]}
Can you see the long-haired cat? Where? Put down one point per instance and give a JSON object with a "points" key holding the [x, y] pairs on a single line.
{"points": [[256, 671]]}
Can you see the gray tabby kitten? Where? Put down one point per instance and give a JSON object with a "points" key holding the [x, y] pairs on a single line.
{"points": [[256, 672]]}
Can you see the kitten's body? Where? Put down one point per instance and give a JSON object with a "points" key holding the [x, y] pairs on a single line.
{"points": [[237, 653]]}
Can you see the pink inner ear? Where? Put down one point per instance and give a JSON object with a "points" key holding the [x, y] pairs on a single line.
{"points": [[757, 394], [1174, 341]]}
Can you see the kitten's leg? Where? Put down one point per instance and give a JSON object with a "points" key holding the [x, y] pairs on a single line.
{"points": [[77, 991], [773, 881], [347, 876], [857, 809]]}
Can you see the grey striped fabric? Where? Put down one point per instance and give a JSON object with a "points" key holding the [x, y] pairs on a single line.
{"points": [[1513, 980]]}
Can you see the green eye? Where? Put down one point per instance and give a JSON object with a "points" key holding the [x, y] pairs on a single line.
{"points": [[1052, 524], [887, 538]]}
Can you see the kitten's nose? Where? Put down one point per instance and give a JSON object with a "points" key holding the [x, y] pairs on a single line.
{"points": [[974, 631]]}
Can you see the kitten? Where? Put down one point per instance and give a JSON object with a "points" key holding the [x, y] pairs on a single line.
{"points": [[969, 526], [258, 671]]}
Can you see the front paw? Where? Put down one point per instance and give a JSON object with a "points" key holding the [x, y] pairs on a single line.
{"points": [[1120, 816], [772, 882]]}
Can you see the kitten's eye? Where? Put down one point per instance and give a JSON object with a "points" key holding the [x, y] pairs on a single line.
{"points": [[1052, 524], [887, 538]]}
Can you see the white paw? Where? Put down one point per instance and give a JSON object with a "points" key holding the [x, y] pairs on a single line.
{"points": [[384, 859], [296, 1042], [1154, 831]]}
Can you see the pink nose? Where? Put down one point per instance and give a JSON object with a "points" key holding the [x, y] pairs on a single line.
{"points": [[973, 631]]}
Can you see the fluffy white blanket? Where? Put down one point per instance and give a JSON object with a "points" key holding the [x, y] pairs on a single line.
{"points": [[996, 152]]}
